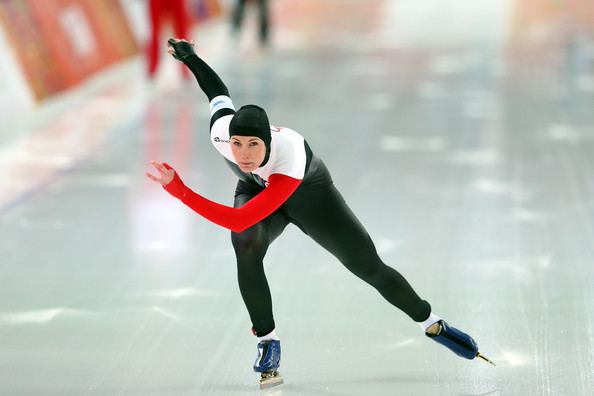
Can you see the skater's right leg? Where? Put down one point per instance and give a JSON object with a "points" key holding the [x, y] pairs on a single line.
{"points": [[250, 248], [332, 224]]}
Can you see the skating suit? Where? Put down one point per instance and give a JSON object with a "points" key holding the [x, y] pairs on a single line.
{"points": [[292, 186]]}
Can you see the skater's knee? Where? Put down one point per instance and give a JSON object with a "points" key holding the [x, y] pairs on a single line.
{"points": [[249, 245], [375, 276]]}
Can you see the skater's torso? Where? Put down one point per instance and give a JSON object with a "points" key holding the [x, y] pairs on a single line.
{"points": [[289, 154]]}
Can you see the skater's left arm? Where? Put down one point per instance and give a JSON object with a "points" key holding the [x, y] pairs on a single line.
{"points": [[280, 188]]}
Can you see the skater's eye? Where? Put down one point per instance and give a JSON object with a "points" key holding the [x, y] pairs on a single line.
{"points": [[236, 143], [252, 144]]}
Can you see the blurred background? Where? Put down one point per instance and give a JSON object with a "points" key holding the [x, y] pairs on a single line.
{"points": [[461, 133]]}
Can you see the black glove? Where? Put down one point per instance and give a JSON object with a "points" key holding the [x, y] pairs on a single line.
{"points": [[181, 49]]}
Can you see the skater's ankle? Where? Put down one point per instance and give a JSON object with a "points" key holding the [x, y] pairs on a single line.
{"points": [[429, 323], [269, 337]]}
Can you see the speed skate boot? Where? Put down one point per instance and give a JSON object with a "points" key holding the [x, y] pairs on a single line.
{"points": [[455, 340], [268, 362]]}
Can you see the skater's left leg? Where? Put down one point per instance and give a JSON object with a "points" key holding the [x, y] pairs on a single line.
{"points": [[250, 248]]}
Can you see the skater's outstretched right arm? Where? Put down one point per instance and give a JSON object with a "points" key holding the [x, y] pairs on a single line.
{"points": [[208, 79]]}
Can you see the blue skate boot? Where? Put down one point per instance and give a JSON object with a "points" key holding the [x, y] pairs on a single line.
{"points": [[455, 340], [268, 362]]}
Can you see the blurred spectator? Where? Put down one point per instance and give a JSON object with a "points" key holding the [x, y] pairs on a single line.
{"points": [[160, 11], [238, 14]]}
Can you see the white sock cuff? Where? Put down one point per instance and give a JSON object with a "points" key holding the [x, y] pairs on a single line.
{"points": [[270, 336], [430, 320]]}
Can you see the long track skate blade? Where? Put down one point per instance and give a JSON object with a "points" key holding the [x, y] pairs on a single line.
{"points": [[485, 359], [270, 380]]}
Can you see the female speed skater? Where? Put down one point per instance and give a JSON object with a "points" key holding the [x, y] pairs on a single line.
{"points": [[282, 181]]}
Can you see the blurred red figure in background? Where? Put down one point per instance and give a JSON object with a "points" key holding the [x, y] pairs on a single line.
{"points": [[160, 11]]}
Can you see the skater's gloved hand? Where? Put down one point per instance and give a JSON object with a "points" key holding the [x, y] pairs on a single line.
{"points": [[180, 49]]}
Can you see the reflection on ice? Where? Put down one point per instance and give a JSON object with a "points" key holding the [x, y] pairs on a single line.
{"points": [[181, 292], [564, 133], [397, 143], [401, 344], [496, 187], [513, 359], [475, 157], [386, 245], [38, 316], [527, 216]]}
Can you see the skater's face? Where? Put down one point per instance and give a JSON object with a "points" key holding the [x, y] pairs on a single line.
{"points": [[248, 151]]}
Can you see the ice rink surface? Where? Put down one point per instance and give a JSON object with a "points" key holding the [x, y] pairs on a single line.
{"points": [[460, 133]]}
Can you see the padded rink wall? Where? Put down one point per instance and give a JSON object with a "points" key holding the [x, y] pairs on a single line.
{"points": [[15, 96], [52, 45], [59, 43]]}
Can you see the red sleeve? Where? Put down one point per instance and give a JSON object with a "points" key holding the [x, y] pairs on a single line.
{"points": [[280, 187]]}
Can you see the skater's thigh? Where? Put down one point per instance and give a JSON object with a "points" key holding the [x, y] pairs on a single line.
{"points": [[261, 234], [324, 215]]}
